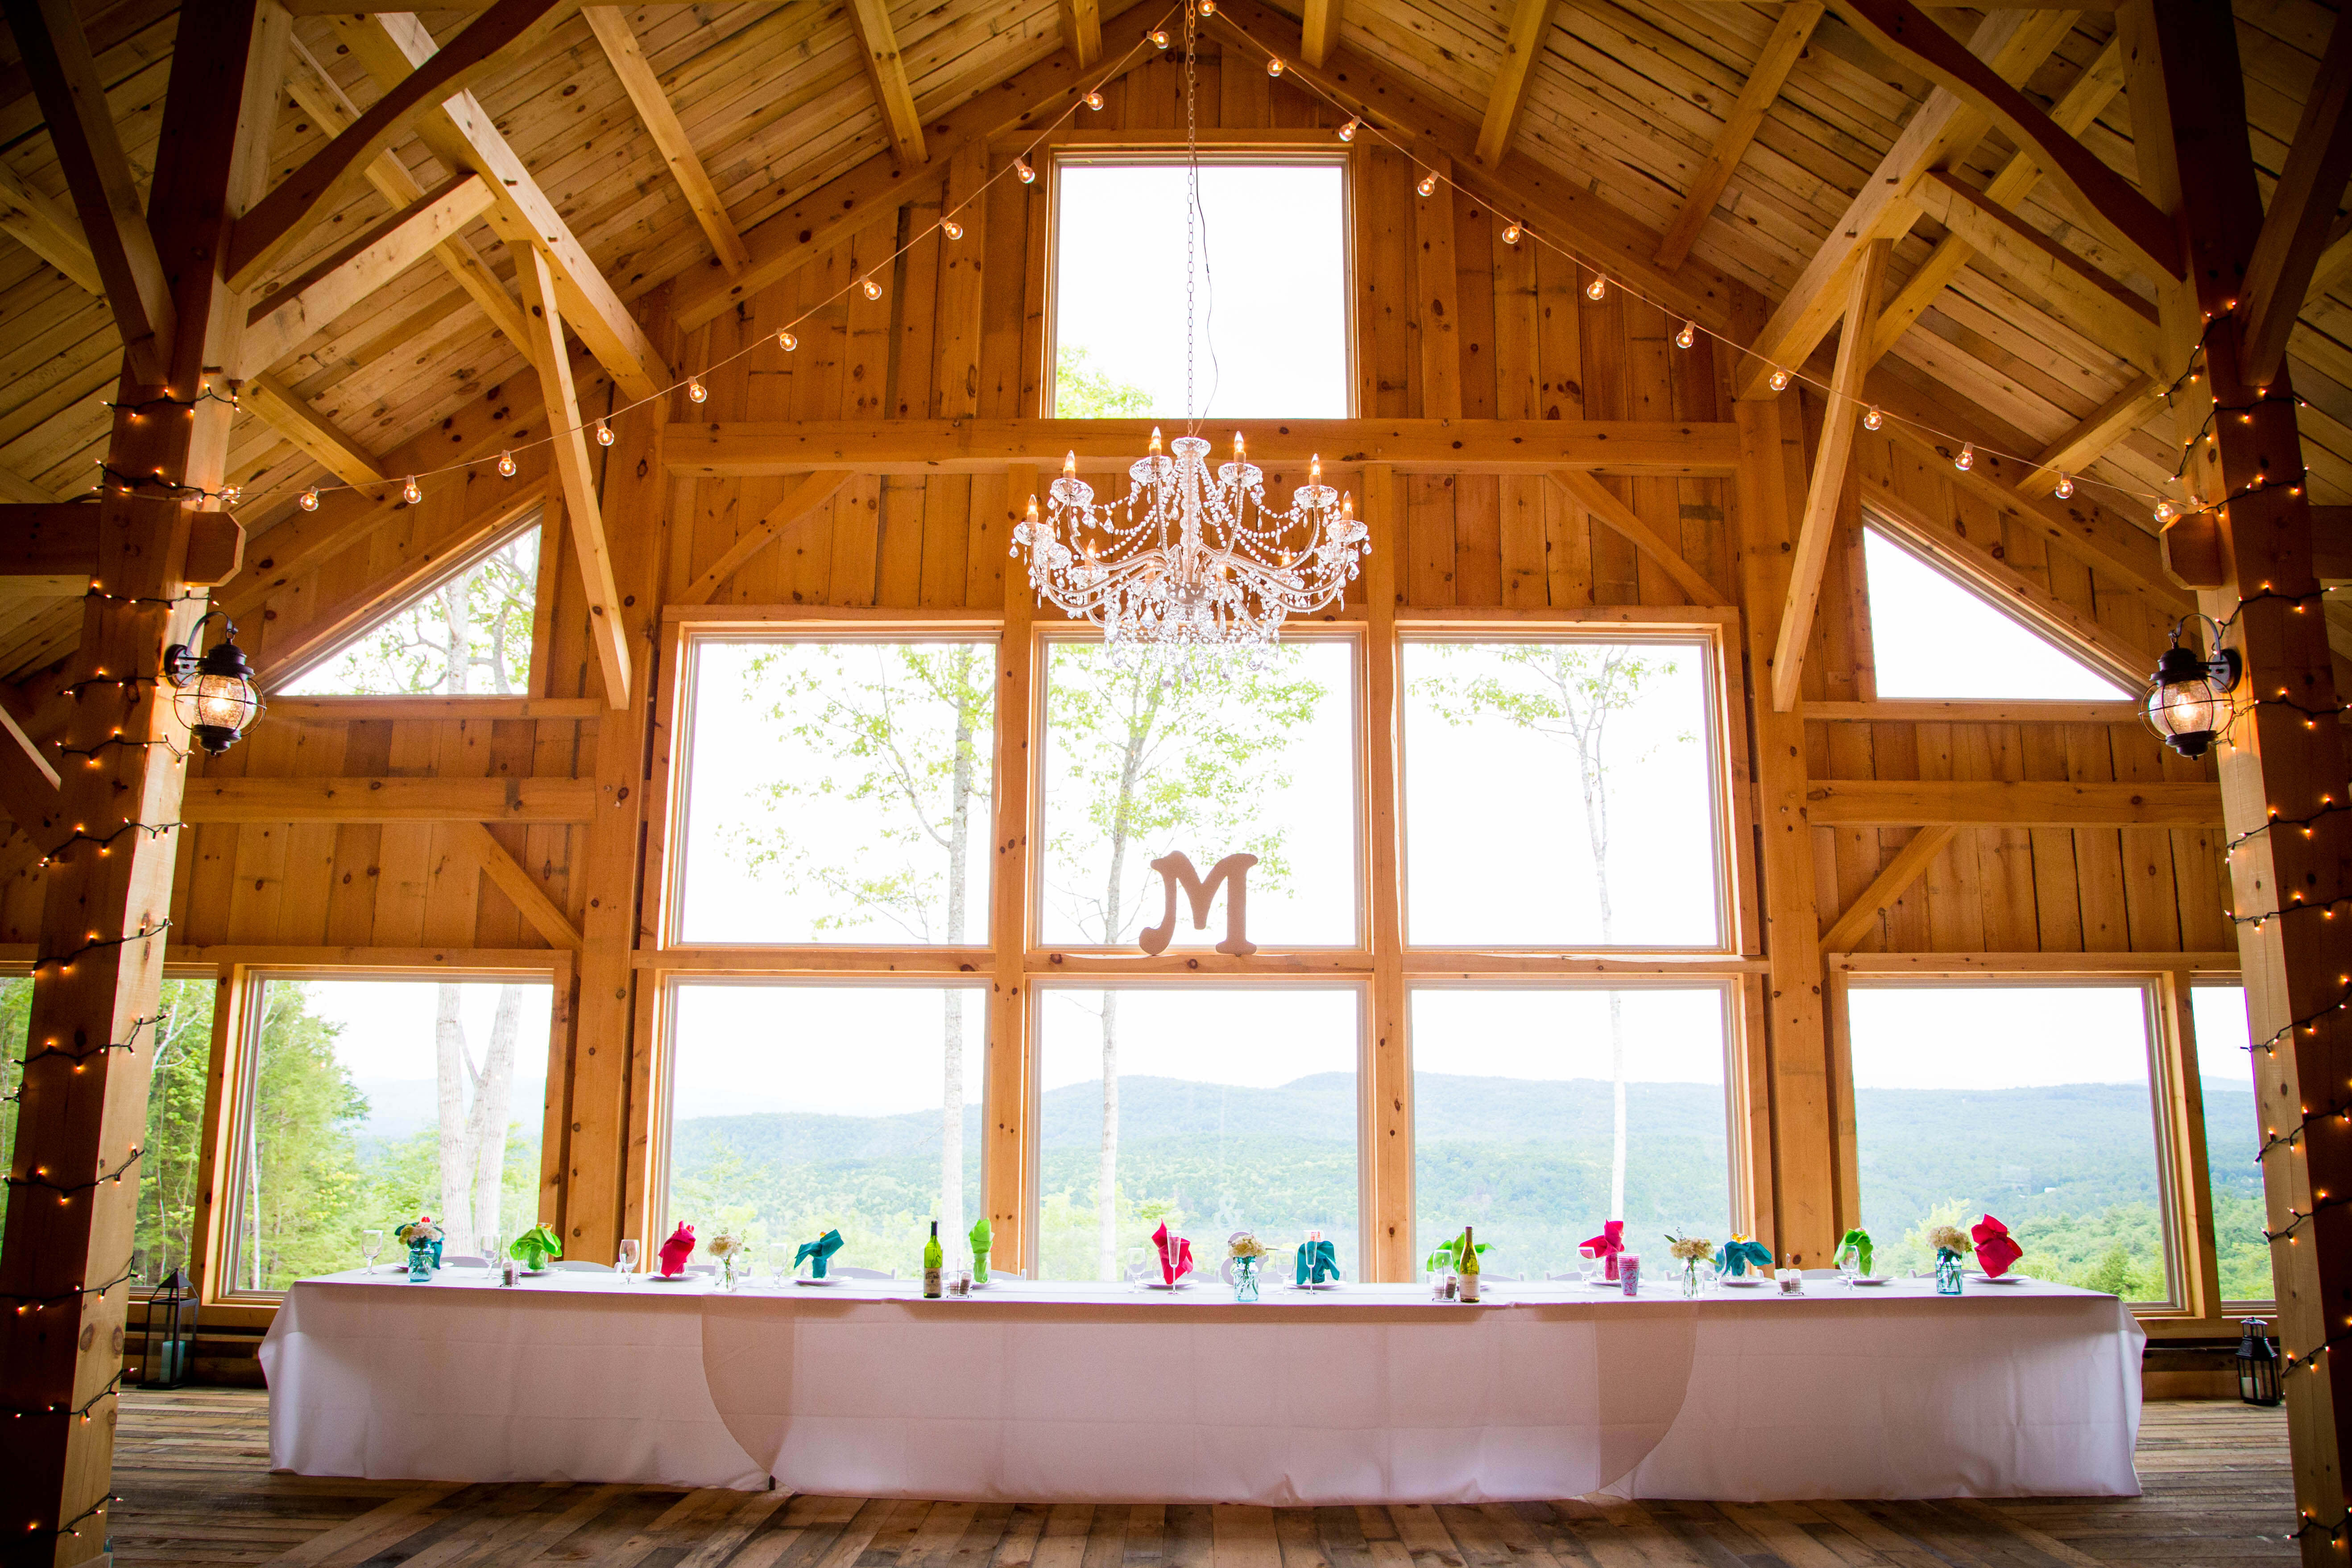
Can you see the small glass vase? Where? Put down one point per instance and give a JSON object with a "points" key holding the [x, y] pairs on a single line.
{"points": [[1693, 1286], [1948, 1273], [727, 1272], [1245, 1279], [420, 1261], [980, 1267]]}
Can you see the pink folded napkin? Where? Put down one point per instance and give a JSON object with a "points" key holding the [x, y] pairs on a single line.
{"points": [[1175, 1255], [1608, 1244], [1995, 1251]]}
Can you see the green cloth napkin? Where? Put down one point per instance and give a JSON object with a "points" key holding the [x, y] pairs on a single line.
{"points": [[822, 1247], [983, 1237], [535, 1246], [1859, 1239]]}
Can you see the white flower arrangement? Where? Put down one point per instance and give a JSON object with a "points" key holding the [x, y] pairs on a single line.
{"points": [[726, 1245], [1691, 1249], [1947, 1238], [1245, 1244], [419, 1232]]}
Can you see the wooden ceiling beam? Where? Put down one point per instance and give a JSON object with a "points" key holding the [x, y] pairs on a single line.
{"points": [[1946, 126], [56, 544], [888, 74], [106, 193], [1826, 491], [477, 800], [2075, 112], [2009, 803], [2302, 213], [1757, 95], [805, 499], [2103, 196], [280, 219], [1082, 29], [2089, 441], [48, 230], [1319, 30], [1531, 23], [346, 277], [320, 97], [290, 414], [569, 456], [1601, 502], [390, 45], [2071, 288], [611, 26]]}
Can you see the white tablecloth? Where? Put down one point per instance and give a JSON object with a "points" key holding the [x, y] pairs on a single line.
{"points": [[1052, 1392]]}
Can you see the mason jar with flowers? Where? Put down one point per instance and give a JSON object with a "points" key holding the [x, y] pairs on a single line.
{"points": [[423, 1239], [1951, 1244], [1690, 1251], [729, 1251], [1245, 1255]]}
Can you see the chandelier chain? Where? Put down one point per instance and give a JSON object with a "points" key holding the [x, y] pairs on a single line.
{"points": [[1191, 198]]}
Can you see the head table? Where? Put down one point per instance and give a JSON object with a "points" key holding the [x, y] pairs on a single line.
{"points": [[1063, 1393]]}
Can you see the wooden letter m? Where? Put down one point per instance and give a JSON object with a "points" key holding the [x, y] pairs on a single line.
{"points": [[1233, 872]]}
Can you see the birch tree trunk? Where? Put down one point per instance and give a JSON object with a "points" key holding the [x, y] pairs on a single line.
{"points": [[485, 1126], [449, 1079]]}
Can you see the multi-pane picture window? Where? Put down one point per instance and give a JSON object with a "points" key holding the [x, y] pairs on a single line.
{"points": [[1212, 1109], [2032, 1103], [1561, 794], [368, 1102], [800, 1109], [1263, 765], [470, 636], [1540, 1114], [2225, 1081], [837, 792]]}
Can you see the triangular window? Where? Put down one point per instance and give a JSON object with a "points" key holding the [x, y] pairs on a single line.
{"points": [[483, 611], [1935, 636]]}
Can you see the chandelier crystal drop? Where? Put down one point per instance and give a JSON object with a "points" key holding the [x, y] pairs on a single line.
{"points": [[1192, 571]]}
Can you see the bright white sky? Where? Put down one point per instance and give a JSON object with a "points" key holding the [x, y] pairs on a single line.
{"points": [[743, 1049], [387, 1035], [1933, 638], [1982, 1037], [1271, 300], [2218, 1013], [1672, 1036], [1261, 1037]]}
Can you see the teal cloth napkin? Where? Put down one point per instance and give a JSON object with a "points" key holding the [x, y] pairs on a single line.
{"points": [[1317, 1261], [822, 1247], [1740, 1257]]}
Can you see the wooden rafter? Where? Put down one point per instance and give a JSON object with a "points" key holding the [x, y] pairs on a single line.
{"points": [[2302, 213], [279, 220], [390, 45], [2009, 803], [525, 891], [2011, 43], [1597, 499], [1508, 99], [611, 26], [810, 494], [1781, 52], [2086, 444], [1910, 863], [888, 74], [318, 96], [389, 800], [106, 194], [1819, 525], [581, 507], [290, 414], [2078, 292], [48, 230], [345, 276], [1319, 34], [2075, 111], [1082, 29], [2100, 194]]}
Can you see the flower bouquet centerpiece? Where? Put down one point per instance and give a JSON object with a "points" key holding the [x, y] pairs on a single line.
{"points": [[423, 1239], [1690, 1251], [534, 1246], [1246, 1255], [729, 1251], [1949, 1242]]}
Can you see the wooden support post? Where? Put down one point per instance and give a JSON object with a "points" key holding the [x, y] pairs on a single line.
{"points": [[2188, 117], [1005, 1158], [1804, 1198], [1390, 1256], [64, 1265]]}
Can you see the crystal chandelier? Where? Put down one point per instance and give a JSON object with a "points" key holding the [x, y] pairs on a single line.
{"points": [[1190, 571]]}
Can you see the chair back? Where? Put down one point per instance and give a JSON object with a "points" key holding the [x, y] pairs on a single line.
{"points": [[578, 1263], [851, 1271]]}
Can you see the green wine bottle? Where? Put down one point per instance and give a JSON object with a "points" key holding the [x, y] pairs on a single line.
{"points": [[1467, 1270], [932, 1258]]}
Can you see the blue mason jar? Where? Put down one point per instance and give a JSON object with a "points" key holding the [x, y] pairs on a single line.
{"points": [[1948, 1273], [421, 1260]]}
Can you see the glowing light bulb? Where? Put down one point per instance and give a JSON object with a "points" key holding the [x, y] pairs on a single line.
{"points": [[2165, 512], [1274, 64], [1154, 447], [1159, 38], [786, 342], [952, 228], [695, 392], [1208, 7], [604, 434], [506, 465], [1511, 234], [1428, 183], [871, 288], [1239, 452], [1315, 470], [1598, 289], [2064, 489], [1687, 336], [1967, 457], [1872, 418], [410, 493], [310, 501], [1348, 132], [1070, 465], [1028, 175], [1094, 101], [1779, 380]]}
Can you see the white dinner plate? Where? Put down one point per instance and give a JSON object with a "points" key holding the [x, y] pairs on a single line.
{"points": [[1874, 1279], [828, 1279], [2001, 1280], [670, 1278], [1163, 1285], [1738, 1282], [1326, 1285]]}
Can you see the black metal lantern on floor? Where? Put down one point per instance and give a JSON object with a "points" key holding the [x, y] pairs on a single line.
{"points": [[2187, 702], [215, 695], [2258, 1365], [171, 1329]]}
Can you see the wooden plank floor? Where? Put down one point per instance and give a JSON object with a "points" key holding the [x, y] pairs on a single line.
{"points": [[192, 1467]]}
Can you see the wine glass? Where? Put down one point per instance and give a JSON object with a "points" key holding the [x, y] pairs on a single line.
{"points": [[371, 1247], [624, 1262], [1588, 1264], [780, 1263], [1849, 1264], [491, 1252]]}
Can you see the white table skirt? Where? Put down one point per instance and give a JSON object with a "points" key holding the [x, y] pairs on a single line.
{"points": [[1044, 1392]]}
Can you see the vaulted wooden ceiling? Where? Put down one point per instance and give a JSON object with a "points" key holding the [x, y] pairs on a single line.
{"points": [[1742, 139]]}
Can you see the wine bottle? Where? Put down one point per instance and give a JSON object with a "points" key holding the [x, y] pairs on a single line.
{"points": [[932, 1258], [1468, 1271]]}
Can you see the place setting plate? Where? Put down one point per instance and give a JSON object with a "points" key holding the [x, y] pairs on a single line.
{"points": [[828, 1279]]}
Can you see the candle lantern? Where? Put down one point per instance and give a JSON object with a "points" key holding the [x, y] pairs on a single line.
{"points": [[171, 1329], [2258, 1365]]}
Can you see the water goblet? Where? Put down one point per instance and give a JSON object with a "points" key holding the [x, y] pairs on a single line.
{"points": [[780, 1263], [1588, 1264], [492, 1250], [371, 1247], [624, 1262], [1848, 1265]]}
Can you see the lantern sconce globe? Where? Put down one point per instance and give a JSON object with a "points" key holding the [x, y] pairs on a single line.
{"points": [[215, 695], [2187, 702]]}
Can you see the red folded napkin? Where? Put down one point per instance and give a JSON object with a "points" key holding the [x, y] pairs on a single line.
{"points": [[1175, 1255], [1995, 1251], [677, 1249], [1609, 1243]]}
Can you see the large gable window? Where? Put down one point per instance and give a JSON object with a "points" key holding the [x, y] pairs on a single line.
{"points": [[1269, 281], [1933, 635], [469, 634]]}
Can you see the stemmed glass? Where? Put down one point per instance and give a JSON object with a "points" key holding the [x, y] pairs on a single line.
{"points": [[491, 1251], [1589, 1263], [780, 1263], [624, 1262], [371, 1247], [1849, 1264]]}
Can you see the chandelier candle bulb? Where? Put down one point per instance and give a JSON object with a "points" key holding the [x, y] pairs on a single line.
{"points": [[506, 465]]}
